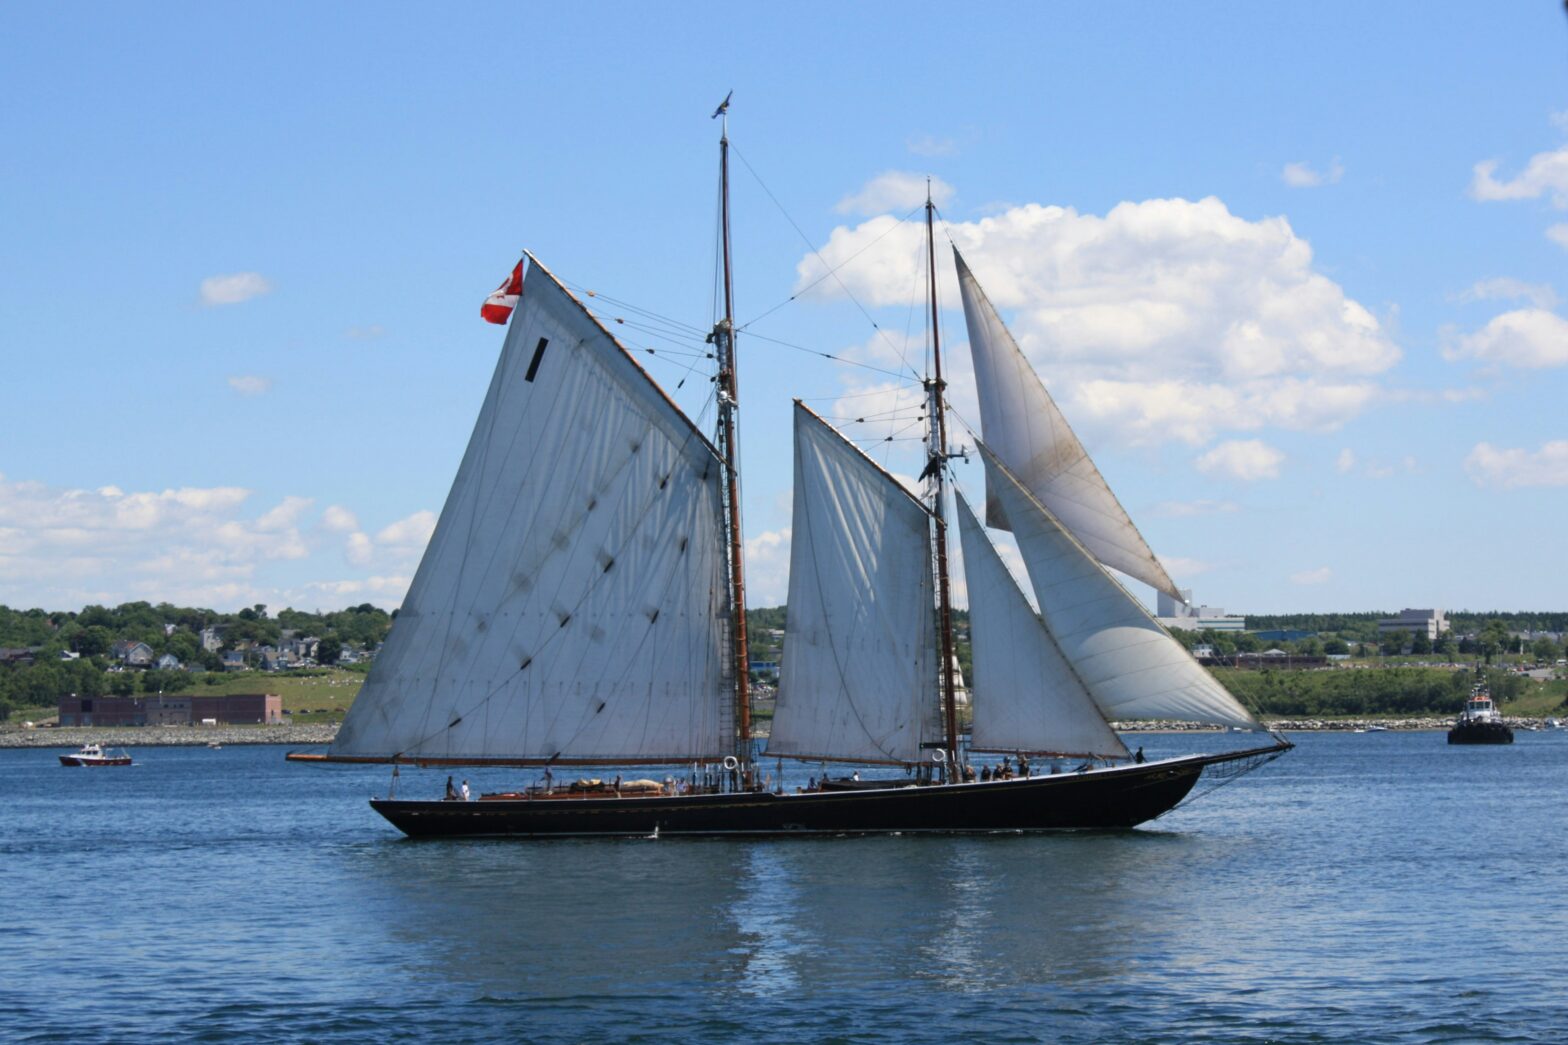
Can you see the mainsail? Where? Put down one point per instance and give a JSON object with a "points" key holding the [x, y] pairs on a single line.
{"points": [[1026, 429], [572, 603], [1026, 697], [1129, 664], [858, 680]]}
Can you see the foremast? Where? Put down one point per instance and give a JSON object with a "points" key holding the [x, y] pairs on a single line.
{"points": [[728, 440], [936, 476]]}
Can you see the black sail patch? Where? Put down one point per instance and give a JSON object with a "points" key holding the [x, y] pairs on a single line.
{"points": [[533, 364]]}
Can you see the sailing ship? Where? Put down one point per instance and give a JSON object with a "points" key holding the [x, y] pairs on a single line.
{"points": [[582, 603]]}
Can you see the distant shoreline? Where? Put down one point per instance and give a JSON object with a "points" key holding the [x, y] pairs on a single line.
{"points": [[13, 736]]}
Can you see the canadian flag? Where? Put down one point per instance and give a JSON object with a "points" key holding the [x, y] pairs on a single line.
{"points": [[498, 306]]}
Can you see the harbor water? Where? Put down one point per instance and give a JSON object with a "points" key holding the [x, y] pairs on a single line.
{"points": [[1379, 887]]}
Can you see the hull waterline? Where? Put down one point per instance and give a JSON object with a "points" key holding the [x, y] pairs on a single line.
{"points": [[1121, 797]]}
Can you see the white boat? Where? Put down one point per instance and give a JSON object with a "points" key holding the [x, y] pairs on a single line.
{"points": [[95, 755]]}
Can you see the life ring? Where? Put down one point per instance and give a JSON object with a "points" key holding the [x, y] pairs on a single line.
{"points": [[731, 763], [938, 755]]}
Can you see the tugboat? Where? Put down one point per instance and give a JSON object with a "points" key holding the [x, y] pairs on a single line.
{"points": [[94, 755], [1480, 723]]}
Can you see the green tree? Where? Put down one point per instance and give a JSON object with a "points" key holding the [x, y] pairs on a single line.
{"points": [[1420, 643], [122, 683], [1494, 638], [330, 648], [1544, 649]]}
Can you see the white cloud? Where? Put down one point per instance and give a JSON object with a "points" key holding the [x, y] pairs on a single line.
{"points": [[1507, 469], [1166, 319], [232, 289], [63, 547], [339, 519], [1558, 234], [358, 549], [411, 532], [1303, 176], [1531, 338], [1179, 566], [285, 515], [1247, 460], [1559, 120], [1346, 462], [896, 191], [767, 568], [365, 333], [250, 384], [1321, 575], [1187, 509], [1508, 289], [1545, 175]]}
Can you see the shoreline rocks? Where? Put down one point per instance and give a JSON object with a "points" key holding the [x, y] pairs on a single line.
{"points": [[166, 736]]}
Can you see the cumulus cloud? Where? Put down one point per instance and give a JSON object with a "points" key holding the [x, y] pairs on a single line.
{"points": [[1180, 566], [411, 532], [250, 384], [1545, 175], [897, 191], [339, 519], [1346, 462], [1166, 319], [63, 547], [1558, 234], [1303, 176], [1531, 338], [767, 568], [1508, 469], [233, 289], [1508, 289], [1247, 460], [358, 549], [1321, 575], [365, 333], [1188, 509]]}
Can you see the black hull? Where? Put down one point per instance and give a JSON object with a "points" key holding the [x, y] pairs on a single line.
{"points": [[1108, 798], [1481, 733]]}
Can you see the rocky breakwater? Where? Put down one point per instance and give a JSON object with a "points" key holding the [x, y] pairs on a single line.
{"points": [[167, 736]]}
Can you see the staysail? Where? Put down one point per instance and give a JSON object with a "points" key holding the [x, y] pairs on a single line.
{"points": [[1131, 667], [571, 605], [858, 681], [1026, 429], [1026, 697]]}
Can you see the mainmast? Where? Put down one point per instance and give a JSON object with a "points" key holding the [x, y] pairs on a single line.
{"points": [[723, 338], [936, 471]]}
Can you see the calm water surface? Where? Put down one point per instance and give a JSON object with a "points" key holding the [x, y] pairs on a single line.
{"points": [[1365, 888]]}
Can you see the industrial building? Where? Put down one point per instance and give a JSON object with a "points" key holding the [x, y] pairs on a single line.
{"points": [[231, 710], [1430, 623], [1190, 617]]}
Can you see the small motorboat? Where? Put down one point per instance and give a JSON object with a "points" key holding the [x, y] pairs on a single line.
{"points": [[1480, 723], [95, 755]]}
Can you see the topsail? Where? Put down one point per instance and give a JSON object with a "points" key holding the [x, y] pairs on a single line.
{"points": [[1026, 429]]}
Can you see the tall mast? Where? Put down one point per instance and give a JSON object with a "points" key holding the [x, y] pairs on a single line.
{"points": [[729, 443], [936, 469]]}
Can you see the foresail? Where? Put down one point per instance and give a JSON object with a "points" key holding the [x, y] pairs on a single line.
{"points": [[1129, 664], [572, 601], [1024, 427], [1025, 695], [858, 680]]}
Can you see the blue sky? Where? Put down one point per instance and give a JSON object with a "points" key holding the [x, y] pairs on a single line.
{"points": [[1318, 352]]}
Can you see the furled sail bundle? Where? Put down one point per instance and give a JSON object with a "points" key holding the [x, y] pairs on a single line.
{"points": [[1027, 431], [572, 603], [1026, 697], [858, 681], [1129, 664]]}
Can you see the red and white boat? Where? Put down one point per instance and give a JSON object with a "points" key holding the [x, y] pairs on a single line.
{"points": [[95, 755]]}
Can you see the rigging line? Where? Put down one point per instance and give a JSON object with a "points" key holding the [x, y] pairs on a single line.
{"points": [[830, 272], [835, 358], [595, 295], [851, 395], [799, 232]]}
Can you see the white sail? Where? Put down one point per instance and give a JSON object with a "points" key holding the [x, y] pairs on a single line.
{"points": [[1026, 696], [858, 680], [572, 602], [1026, 429], [1129, 664]]}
